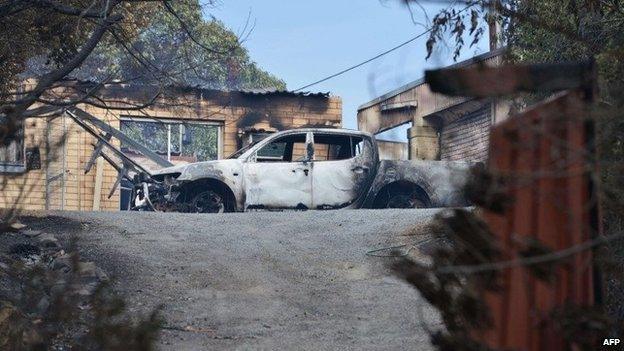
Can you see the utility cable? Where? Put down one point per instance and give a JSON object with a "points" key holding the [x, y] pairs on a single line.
{"points": [[351, 68]]}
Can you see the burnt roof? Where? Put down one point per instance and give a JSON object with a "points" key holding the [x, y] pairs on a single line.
{"points": [[421, 81], [197, 90], [262, 92]]}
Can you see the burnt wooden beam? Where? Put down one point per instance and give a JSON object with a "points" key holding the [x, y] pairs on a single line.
{"points": [[486, 81], [119, 168], [96, 152], [123, 173], [111, 162], [101, 138], [77, 113], [42, 110]]}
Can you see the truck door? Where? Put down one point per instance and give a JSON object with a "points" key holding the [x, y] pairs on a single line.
{"points": [[343, 165], [279, 174]]}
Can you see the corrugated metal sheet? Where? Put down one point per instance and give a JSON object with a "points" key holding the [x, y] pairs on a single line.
{"points": [[120, 88]]}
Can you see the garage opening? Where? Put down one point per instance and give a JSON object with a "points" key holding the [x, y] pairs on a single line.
{"points": [[393, 143]]}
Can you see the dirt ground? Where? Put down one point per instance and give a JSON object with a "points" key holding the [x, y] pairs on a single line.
{"points": [[261, 280]]}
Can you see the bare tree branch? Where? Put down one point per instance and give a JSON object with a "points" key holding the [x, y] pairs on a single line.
{"points": [[50, 78], [188, 32]]}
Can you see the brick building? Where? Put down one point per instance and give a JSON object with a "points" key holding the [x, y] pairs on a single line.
{"points": [[45, 168], [442, 127]]}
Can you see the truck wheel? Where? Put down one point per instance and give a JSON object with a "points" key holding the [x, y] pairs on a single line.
{"points": [[411, 200], [401, 194], [208, 201]]}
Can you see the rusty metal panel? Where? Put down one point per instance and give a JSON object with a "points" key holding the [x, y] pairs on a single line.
{"points": [[545, 163]]}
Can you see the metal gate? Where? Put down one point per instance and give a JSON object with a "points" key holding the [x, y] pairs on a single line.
{"points": [[56, 165]]}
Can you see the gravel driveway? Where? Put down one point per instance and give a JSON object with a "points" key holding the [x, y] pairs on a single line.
{"points": [[261, 280]]}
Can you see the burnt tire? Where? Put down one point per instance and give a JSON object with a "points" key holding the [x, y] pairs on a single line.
{"points": [[401, 195], [208, 201], [411, 200]]}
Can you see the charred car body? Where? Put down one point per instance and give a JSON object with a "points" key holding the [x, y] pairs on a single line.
{"points": [[303, 169]]}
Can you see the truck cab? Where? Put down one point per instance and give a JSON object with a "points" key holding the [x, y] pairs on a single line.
{"points": [[309, 169]]}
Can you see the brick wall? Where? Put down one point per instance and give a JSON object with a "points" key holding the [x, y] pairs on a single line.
{"points": [[72, 148], [28, 190], [466, 138]]}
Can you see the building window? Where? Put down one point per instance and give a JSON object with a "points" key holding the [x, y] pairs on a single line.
{"points": [[12, 158], [176, 141]]}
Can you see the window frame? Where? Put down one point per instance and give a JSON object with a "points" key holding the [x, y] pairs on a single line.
{"points": [[20, 165], [352, 146], [252, 154], [179, 121]]}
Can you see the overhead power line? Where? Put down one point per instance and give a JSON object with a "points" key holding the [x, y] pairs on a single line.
{"points": [[372, 58], [364, 62]]}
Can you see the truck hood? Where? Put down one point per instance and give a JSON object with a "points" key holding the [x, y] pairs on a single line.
{"points": [[170, 170], [199, 170]]}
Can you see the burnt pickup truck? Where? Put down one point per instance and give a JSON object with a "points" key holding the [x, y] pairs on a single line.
{"points": [[303, 169]]}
